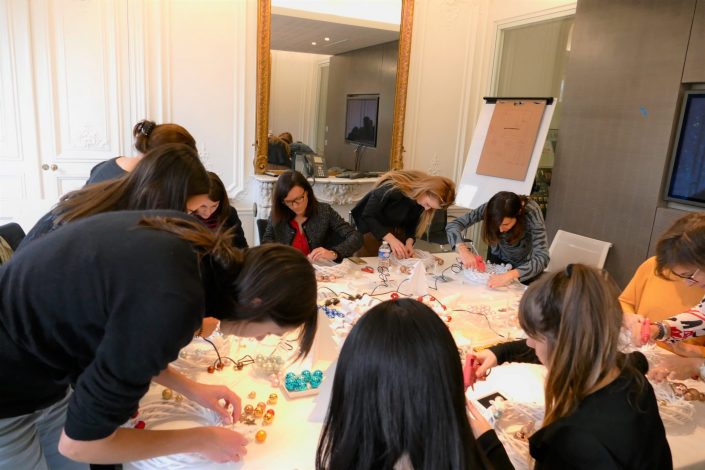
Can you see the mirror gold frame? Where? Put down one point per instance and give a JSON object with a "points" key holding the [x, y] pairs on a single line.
{"points": [[264, 68]]}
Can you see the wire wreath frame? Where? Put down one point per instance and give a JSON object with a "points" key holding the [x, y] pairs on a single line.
{"points": [[159, 412], [478, 277]]}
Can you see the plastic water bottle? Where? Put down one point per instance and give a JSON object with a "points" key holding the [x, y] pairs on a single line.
{"points": [[383, 255]]}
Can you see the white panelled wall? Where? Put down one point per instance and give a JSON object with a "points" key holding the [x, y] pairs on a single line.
{"points": [[76, 75]]}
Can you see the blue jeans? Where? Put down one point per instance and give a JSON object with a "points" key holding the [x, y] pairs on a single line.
{"points": [[31, 441]]}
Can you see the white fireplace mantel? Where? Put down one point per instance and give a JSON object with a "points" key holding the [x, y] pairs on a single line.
{"points": [[341, 193]]}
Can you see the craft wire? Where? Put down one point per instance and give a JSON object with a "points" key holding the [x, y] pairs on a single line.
{"points": [[243, 361], [486, 319]]}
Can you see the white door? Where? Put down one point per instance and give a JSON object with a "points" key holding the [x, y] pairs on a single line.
{"points": [[65, 103]]}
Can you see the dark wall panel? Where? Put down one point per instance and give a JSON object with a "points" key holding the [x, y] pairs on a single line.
{"points": [[372, 70], [694, 70], [620, 101]]}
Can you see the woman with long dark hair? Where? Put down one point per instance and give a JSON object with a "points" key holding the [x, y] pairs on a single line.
{"points": [[147, 135], [312, 227], [399, 209], [515, 232], [217, 213], [398, 400], [80, 346], [600, 410], [169, 177]]}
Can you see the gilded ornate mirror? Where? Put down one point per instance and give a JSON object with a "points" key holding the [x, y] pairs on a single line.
{"points": [[339, 138]]}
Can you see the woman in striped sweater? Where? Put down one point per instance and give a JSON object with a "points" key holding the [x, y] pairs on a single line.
{"points": [[515, 232]]}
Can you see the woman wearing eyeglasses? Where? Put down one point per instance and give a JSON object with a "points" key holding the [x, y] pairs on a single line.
{"points": [[312, 227], [680, 253]]}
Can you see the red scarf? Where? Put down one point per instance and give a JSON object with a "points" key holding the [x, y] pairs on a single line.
{"points": [[299, 242]]}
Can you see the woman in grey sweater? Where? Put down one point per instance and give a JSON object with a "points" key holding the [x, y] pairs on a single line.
{"points": [[515, 232], [312, 227]]}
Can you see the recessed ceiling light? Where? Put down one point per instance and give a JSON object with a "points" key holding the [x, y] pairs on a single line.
{"points": [[326, 39], [313, 43]]}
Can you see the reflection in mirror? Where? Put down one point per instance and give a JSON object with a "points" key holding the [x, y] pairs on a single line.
{"points": [[333, 82]]}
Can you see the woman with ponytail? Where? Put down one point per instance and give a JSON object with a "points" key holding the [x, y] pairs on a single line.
{"points": [[79, 350], [600, 410], [399, 209], [515, 232], [147, 135]]}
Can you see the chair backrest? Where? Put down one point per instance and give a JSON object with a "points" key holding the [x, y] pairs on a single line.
{"points": [[568, 248], [12, 233]]}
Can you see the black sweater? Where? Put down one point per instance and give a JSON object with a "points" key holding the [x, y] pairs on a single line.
{"points": [[618, 426], [102, 305], [383, 210]]}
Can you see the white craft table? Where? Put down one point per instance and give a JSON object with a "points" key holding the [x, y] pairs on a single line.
{"points": [[293, 436]]}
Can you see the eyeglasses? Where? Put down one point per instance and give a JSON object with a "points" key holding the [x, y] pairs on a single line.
{"points": [[295, 202], [688, 278]]}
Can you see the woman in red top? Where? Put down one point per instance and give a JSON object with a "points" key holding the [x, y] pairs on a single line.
{"points": [[312, 227]]}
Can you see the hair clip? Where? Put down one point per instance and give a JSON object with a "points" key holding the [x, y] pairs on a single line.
{"points": [[569, 270], [146, 127]]}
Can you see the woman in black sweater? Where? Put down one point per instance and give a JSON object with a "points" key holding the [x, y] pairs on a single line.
{"points": [[147, 135], [398, 400], [600, 410], [217, 213], [103, 305], [399, 209], [169, 177], [312, 227]]}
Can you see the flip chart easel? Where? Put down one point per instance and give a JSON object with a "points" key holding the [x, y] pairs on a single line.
{"points": [[505, 149]]}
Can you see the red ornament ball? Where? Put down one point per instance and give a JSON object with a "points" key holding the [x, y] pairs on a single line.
{"points": [[211, 369], [140, 425], [394, 296]]}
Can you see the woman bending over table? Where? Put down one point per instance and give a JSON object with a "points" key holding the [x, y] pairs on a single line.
{"points": [[147, 135], [398, 400], [515, 232], [79, 346], [168, 177], [217, 213], [399, 209], [601, 412], [312, 227]]}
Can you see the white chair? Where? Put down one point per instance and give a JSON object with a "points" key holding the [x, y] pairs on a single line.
{"points": [[568, 248]]}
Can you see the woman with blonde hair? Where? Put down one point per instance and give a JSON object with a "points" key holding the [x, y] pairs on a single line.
{"points": [[399, 209], [600, 410]]}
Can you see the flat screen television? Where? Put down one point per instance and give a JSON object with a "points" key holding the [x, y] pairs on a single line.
{"points": [[361, 120], [686, 182]]}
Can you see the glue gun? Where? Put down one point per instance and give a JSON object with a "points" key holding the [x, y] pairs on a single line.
{"points": [[469, 376], [481, 266], [645, 331]]}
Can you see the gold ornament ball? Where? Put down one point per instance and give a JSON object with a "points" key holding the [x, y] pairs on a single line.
{"points": [[267, 419], [273, 397], [249, 409], [251, 395], [261, 436], [167, 393], [259, 412]]}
